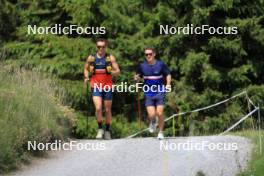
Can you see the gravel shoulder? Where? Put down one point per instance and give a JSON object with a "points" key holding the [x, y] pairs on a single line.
{"points": [[148, 157]]}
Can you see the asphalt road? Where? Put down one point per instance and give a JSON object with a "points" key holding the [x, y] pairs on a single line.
{"points": [[181, 156]]}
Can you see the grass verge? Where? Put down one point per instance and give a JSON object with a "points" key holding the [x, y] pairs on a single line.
{"points": [[120, 128], [28, 112], [256, 165]]}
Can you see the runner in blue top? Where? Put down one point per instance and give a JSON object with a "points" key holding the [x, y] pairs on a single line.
{"points": [[155, 73]]}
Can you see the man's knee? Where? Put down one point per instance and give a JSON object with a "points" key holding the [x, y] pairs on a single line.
{"points": [[98, 110], [151, 114], [159, 113], [107, 110]]}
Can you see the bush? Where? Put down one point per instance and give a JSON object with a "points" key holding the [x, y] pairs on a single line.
{"points": [[120, 128], [29, 112]]}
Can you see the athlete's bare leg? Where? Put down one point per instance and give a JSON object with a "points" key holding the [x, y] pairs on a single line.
{"points": [[160, 110], [108, 112], [98, 108], [151, 112]]}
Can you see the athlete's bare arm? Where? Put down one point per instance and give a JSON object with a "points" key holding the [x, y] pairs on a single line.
{"points": [[168, 79], [168, 82], [137, 77], [86, 70], [115, 68]]}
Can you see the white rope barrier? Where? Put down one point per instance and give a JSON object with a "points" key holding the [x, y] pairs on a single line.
{"points": [[251, 102], [259, 131], [196, 110], [207, 107], [238, 122], [133, 135]]}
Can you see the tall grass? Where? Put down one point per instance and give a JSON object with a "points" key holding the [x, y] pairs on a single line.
{"points": [[256, 164], [28, 112]]}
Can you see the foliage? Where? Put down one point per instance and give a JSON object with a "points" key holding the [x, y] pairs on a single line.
{"points": [[8, 20], [256, 163], [205, 68], [29, 112], [120, 128]]}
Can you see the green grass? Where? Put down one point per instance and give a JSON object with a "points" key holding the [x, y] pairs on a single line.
{"points": [[120, 127], [28, 112], [256, 165]]}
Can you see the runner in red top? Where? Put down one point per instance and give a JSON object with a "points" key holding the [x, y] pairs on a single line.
{"points": [[101, 67], [101, 78]]}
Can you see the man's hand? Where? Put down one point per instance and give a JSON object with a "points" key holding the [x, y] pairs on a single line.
{"points": [[168, 88], [86, 80], [137, 77], [115, 68]]}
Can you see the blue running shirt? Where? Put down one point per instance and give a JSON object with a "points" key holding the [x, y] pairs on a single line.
{"points": [[153, 75]]}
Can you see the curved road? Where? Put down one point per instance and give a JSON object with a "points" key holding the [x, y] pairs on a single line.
{"points": [[147, 157]]}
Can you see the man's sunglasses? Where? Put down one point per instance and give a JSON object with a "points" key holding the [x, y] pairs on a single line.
{"points": [[148, 54], [99, 47]]}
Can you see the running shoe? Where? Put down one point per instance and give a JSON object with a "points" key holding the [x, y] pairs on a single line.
{"points": [[152, 126], [100, 134], [160, 135], [107, 135]]}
